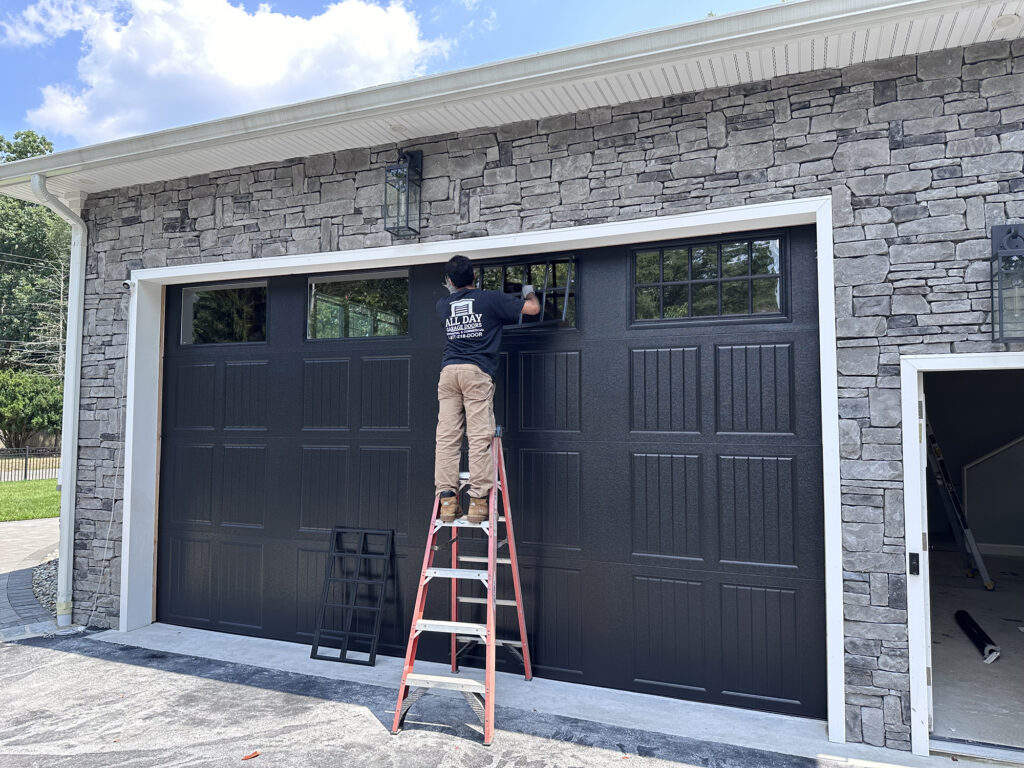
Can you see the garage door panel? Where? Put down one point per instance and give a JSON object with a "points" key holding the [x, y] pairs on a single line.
{"points": [[384, 487], [384, 396], [325, 394], [665, 389], [187, 490], [667, 505], [246, 404], [754, 388], [325, 488], [669, 636], [548, 512], [554, 620], [239, 584], [757, 509], [188, 579], [194, 401], [549, 391], [243, 495]]}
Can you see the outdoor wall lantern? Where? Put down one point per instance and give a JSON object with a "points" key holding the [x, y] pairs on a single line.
{"points": [[402, 194], [1008, 282]]}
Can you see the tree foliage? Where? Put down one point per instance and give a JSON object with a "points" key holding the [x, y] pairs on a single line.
{"points": [[30, 403], [34, 259]]}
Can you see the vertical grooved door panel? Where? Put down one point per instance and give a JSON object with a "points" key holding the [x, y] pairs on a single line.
{"points": [[665, 389], [323, 502], [548, 513], [244, 495], [385, 392], [757, 501], [245, 395], [194, 396], [755, 388], [384, 488], [668, 617], [549, 390], [667, 501], [325, 394], [240, 584]]}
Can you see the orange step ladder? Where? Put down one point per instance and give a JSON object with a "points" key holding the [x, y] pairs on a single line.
{"points": [[479, 695]]}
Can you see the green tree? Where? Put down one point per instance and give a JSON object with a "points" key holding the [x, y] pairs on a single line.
{"points": [[30, 403], [34, 254]]}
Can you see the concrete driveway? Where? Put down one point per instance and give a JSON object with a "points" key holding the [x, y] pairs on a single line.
{"points": [[75, 701]]}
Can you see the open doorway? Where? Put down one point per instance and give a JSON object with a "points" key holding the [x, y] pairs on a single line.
{"points": [[977, 422]]}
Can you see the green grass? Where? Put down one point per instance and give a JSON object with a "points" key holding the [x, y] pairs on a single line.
{"points": [[29, 500]]}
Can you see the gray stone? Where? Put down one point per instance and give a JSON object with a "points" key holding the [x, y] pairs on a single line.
{"points": [[865, 269], [1002, 162], [744, 157], [571, 167], [912, 181], [885, 407], [858, 361], [716, 129], [697, 168], [853, 155], [862, 537], [939, 64]]}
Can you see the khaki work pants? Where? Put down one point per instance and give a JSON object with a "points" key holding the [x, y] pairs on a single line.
{"points": [[465, 397]]}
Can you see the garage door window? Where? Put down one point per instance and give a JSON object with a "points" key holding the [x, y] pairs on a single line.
{"points": [[224, 314], [555, 284], [739, 277], [358, 306]]}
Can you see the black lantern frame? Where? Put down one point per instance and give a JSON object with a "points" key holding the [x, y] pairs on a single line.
{"points": [[402, 184], [1008, 282]]}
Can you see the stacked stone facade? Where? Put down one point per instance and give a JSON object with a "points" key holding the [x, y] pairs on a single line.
{"points": [[921, 155]]}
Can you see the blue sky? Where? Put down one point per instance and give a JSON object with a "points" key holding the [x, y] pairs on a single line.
{"points": [[86, 71]]}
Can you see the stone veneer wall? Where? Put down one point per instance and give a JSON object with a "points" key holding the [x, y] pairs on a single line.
{"points": [[921, 155]]}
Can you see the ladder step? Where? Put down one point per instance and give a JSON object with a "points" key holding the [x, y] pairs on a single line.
{"points": [[497, 641], [464, 627], [462, 523], [454, 573], [467, 684], [482, 559], [483, 601]]}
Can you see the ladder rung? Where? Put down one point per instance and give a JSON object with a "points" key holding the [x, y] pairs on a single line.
{"points": [[452, 627], [338, 634], [344, 580], [462, 523], [360, 555], [468, 684], [483, 600], [497, 641], [455, 573], [482, 559]]}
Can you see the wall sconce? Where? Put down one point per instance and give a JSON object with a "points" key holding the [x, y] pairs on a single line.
{"points": [[402, 183], [1008, 282]]}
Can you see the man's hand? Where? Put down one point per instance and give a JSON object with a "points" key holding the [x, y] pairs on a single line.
{"points": [[532, 305]]}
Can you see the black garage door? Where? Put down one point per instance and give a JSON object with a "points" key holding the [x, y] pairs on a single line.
{"points": [[665, 454]]}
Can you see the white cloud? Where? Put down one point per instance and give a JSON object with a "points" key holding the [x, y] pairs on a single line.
{"points": [[152, 64]]}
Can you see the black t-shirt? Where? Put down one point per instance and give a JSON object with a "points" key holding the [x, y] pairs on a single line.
{"points": [[472, 324]]}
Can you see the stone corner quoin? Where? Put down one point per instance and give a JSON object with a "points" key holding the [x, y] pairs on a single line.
{"points": [[922, 156]]}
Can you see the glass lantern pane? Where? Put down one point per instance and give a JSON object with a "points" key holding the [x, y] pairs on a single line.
{"points": [[648, 303], [734, 259], [765, 259], [704, 263], [676, 263], [647, 269], [735, 297], [705, 300], [766, 296]]}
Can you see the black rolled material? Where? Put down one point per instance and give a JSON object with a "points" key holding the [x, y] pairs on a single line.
{"points": [[985, 645]]}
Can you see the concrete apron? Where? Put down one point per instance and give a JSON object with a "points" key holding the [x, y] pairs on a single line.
{"points": [[704, 722]]}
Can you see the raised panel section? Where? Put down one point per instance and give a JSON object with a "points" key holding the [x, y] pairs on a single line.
{"points": [[325, 394], [309, 583], [324, 495], [666, 505], [757, 503], [554, 619], [194, 396], [240, 584], [188, 594], [549, 483], [245, 394], [754, 388], [761, 642], [385, 392], [549, 391], [669, 626], [191, 493], [244, 495], [665, 389], [383, 488]]}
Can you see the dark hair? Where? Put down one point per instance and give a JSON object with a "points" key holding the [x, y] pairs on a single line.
{"points": [[459, 270]]}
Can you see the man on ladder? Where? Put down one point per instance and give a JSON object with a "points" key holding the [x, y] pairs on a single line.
{"points": [[473, 320]]}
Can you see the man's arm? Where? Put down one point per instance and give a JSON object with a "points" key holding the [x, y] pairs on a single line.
{"points": [[532, 303]]}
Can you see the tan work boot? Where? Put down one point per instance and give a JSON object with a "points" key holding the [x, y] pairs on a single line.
{"points": [[449, 508], [478, 511]]}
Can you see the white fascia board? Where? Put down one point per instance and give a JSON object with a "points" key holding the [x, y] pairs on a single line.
{"points": [[782, 213], [762, 26]]}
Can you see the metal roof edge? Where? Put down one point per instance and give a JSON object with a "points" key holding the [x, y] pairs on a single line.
{"points": [[586, 60]]}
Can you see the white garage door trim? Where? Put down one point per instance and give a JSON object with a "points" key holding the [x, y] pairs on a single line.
{"points": [[145, 353]]}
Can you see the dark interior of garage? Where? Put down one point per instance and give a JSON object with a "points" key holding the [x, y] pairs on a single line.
{"points": [[979, 428]]}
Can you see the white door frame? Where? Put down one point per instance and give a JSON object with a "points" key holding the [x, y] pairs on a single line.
{"points": [[915, 505], [141, 476]]}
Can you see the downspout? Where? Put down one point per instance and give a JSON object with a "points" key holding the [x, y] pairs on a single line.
{"points": [[72, 392]]}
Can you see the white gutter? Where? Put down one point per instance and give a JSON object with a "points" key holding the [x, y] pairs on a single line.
{"points": [[72, 391]]}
